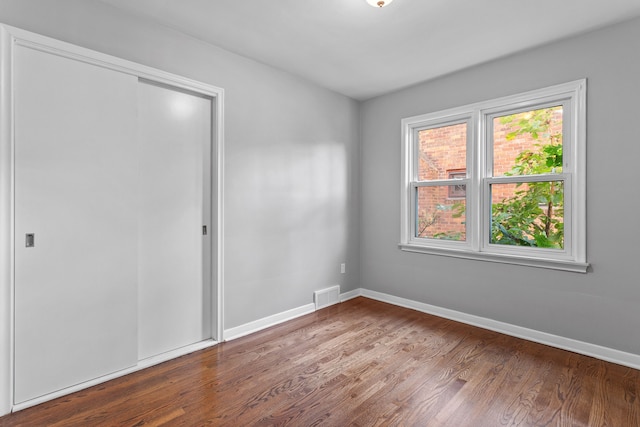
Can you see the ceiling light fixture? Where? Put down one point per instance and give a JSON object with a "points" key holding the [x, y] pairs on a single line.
{"points": [[379, 3]]}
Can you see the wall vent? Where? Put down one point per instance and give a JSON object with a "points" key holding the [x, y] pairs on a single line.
{"points": [[326, 297]]}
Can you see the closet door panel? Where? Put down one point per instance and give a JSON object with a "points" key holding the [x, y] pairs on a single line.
{"points": [[174, 133], [75, 191]]}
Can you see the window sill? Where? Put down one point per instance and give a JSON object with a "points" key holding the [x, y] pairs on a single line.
{"points": [[576, 267]]}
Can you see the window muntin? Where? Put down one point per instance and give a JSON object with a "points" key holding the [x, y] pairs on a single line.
{"points": [[542, 136]]}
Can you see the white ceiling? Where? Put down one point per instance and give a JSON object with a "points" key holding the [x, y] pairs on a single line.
{"points": [[360, 51]]}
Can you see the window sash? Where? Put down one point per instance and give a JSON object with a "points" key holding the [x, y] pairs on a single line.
{"points": [[411, 157], [489, 115], [464, 118], [487, 215], [459, 244]]}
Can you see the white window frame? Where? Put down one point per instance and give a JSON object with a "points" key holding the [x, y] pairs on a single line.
{"points": [[479, 119]]}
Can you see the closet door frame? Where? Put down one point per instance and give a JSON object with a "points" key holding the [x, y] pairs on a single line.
{"points": [[11, 37]]}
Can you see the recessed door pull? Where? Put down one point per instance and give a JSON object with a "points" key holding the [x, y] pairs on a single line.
{"points": [[204, 230], [30, 240]]}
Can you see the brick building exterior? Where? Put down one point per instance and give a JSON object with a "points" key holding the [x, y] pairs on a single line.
{"points": [[442, 155]]}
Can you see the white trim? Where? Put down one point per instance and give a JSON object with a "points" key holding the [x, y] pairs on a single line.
{"points": [[10, 37], [267, 322], [552, 264], [275, 319], [350, 295], [142, 364], [219, 216], [599, 352], [579, 157], [67, 50], [6, 224]]}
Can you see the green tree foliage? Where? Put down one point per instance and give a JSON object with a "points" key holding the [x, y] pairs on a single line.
{"points": [[533, 216]]}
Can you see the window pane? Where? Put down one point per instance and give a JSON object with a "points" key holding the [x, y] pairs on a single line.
{"points": [[528, 214], [438, 216], [528, 143], [441, 150]]}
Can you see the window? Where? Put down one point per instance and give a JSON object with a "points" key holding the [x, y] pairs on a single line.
{"points": [[501, 180], [457, 191]]}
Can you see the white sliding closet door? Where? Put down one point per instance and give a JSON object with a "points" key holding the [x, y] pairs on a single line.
{"points": [[174, 132], [76, 191]]}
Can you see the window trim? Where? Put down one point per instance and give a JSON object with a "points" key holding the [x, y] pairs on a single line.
{"points": [[479, 116]]}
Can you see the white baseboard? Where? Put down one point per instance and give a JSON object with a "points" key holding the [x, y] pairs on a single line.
{"points": [[604, 353], [599, 352], [142, 364], [266, 322], [350, 295]]}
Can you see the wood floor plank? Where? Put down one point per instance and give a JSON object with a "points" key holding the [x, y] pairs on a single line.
{"points": [[360, 363]]}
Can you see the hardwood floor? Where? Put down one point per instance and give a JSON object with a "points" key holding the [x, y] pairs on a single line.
{"points": [[360, 363]]}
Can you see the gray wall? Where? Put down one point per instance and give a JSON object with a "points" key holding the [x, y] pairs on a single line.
{"points": [[291, 170], [601, 307]]}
